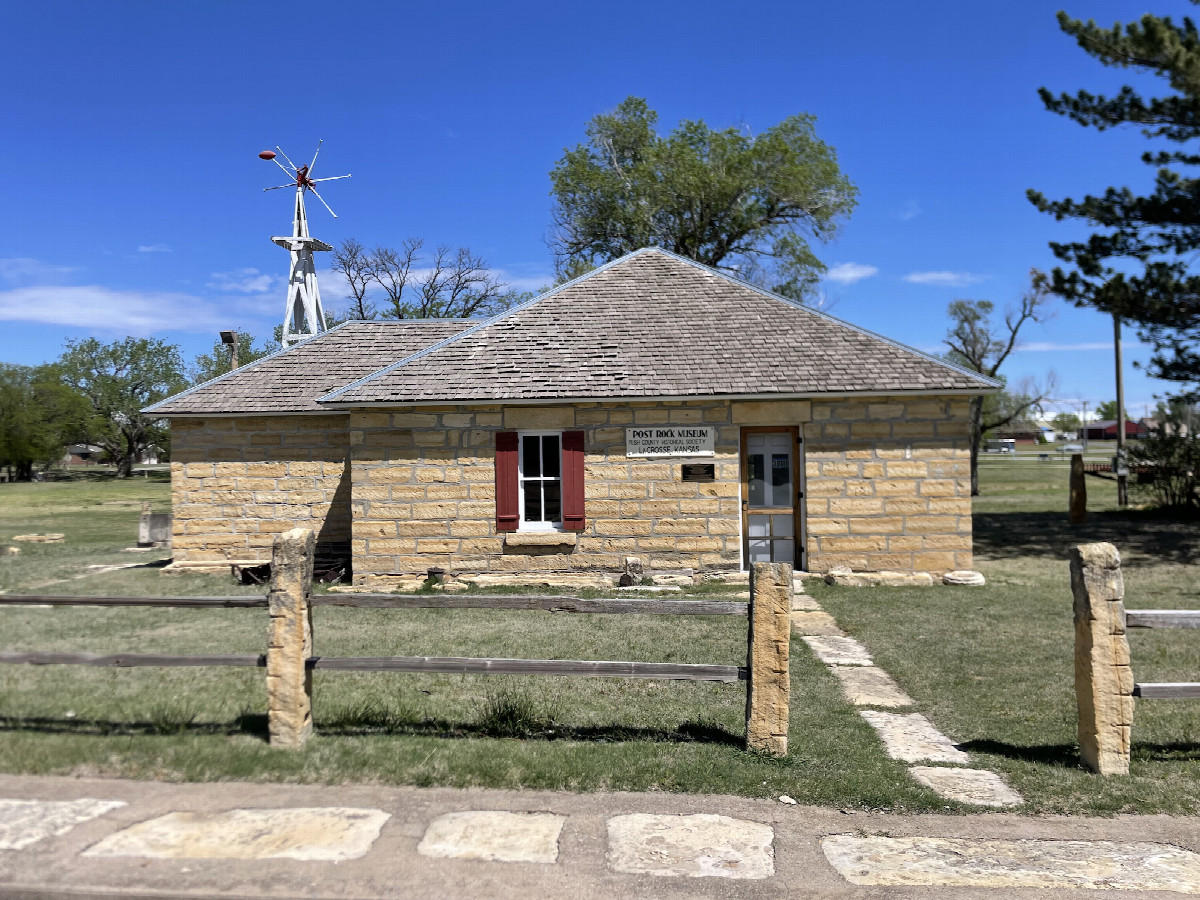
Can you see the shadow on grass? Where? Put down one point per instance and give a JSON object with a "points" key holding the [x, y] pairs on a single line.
{"points": [[1067, 755], [255, 725], [1146, 537]]}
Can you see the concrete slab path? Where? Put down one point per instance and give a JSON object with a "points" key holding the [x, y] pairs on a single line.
{"points": [[534, 844]]}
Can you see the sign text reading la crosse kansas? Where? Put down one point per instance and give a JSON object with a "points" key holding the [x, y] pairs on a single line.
{"points": [[670, 440]]}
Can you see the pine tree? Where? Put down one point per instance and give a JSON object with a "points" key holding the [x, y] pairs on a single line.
{"points": [[1159, 232]]}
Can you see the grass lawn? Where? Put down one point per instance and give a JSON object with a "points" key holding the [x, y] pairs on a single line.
{"points": [[991, 666]]}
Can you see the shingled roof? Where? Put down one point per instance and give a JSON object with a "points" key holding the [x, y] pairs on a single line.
{"points": [[656, 325], [293, 379]]}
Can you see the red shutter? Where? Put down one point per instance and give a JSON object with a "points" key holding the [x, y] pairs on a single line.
{"points": [[572, 472], [508, 510]]}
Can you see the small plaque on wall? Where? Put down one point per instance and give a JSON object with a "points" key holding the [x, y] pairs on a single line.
{"points": [[699, 472]]}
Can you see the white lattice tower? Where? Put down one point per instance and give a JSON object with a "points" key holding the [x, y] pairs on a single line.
{"points": [[303, 315]]}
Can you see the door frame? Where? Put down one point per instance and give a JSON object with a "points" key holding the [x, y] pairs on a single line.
{"points": [[799, 532]]}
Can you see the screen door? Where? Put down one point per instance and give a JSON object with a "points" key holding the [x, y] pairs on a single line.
{"points": [[770, 496]]}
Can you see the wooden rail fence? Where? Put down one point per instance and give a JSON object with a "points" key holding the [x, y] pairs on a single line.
{"points": [[1104, 685], [290, 660]]}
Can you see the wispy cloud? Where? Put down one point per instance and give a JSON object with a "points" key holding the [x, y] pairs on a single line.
{"points": [[25, 270], [93, 306], [848, 273], [943, 278], [910, 210], [242, 281], [1051, 346], [154, 248]]}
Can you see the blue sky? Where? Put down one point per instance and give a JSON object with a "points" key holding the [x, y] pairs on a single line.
{"points": [[133, 201]]}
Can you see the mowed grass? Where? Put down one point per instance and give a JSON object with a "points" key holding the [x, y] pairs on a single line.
{"points": [[558, 733], [993, 667]]}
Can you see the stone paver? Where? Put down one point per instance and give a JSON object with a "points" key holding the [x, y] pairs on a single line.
{"points": [[494, 835], [804, 603], [25, 822], [815, 622], [977, 786], [912, 738], [695, 846], [838, 651], [961, 862], [870, 686], [325, 833]]}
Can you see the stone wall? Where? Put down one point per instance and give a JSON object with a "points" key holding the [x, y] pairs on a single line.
{"points": [[889, 485], [236, 482]]}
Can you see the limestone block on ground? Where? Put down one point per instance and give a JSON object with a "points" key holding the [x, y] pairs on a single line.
{"points": [[870, 686], [696, 846], [966, 862], [964, 576], [814, 622], [671, 578], [289, 644], [804, 603], [318, 833], [632, 571], [1103, 677], [12, 551], [25, 822], [912, 738], [52, 538], [497, 836], [978, 787], [838, 651], [846, 578], [769, 638], [566, 580]]}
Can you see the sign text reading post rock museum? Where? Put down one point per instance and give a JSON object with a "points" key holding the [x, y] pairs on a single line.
{"points": [[670, 440]]}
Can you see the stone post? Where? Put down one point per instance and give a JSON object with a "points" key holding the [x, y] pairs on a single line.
{"points": [[289, 680], [1103, 678], [769, 681], [1078, 501]]}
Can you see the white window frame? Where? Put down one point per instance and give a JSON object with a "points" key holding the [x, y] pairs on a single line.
{"points": [[522, 524]]}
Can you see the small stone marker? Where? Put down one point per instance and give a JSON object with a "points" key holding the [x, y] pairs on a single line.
{"points": [[869, 686], [321, 833], [290, 641], [964, 576], [696, 846], [976, 786], [838, 651], [1078, 491], [769, 639], [960, 862], [25, 822], [632, 571], [498, 836], [815, 622], [1103, 678], [912, 738], [52, 538]]}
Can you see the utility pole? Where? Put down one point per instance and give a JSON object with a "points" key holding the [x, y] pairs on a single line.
{"points": [[1085, 425], [1119, 461]]}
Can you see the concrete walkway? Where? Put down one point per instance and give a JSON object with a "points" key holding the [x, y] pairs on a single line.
{"points": [[77, 838]]}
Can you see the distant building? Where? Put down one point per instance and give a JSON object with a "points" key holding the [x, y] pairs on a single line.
{"points": [[83, 455], [1106, 430]]}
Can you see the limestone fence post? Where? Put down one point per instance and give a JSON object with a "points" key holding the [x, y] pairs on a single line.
{"points": [[289, 680], [1103, 677], [1078, 496], [769, 637]]}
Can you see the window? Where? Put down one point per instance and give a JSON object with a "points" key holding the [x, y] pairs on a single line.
{"points": [[539, 480]]}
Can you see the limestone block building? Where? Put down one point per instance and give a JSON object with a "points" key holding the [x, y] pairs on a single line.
{"points": [[652, 408]]}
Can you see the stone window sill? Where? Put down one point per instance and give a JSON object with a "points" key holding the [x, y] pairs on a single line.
{"points": [[540, 539]]}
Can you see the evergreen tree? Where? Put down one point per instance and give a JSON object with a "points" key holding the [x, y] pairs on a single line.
{"points": [[1159, 232]]}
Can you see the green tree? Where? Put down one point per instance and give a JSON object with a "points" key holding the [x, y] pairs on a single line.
{"points": [[1139, 265], [118, 380], [207, 366], [39, 416], [1177, 416], [980, 344], [741, 203], [1108, 410], [1065, 423]]}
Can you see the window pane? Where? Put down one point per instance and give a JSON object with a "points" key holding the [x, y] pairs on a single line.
{"points": [[781, 479], [757, 480], [553, 494], [533, 501], [760, 551], [550, 455], [531, 461], [781, 526], [784, 551], [758, 526]]}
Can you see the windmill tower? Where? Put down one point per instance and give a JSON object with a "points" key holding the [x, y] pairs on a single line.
{"points": [[303, 315]]}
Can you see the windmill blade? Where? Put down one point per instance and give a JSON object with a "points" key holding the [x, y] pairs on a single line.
{"points": [[330, 178], [323, 203], [278, 186], [283, 168], [314, 162], [285, 156]]}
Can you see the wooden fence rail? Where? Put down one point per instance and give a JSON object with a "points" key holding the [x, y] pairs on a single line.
{"points": [[1104, 685], [290, 660]]}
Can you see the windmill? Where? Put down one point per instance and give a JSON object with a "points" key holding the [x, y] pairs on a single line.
{"points": [[302, 315]]}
